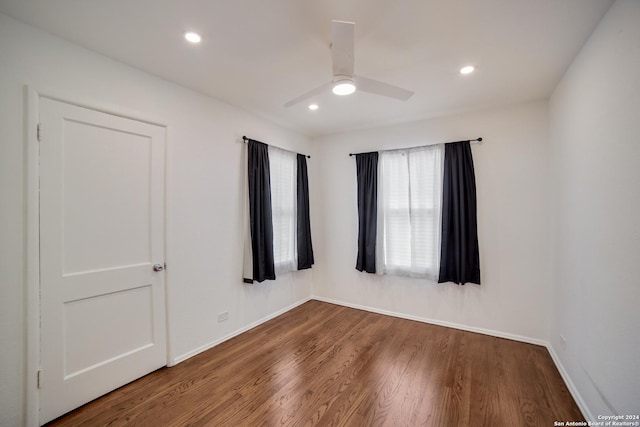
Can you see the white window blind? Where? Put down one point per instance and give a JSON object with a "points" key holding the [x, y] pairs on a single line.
{"points": [[410, 199], [283, 169]]}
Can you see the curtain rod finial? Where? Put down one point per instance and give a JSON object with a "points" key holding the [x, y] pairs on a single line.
{"points": [[480, 139]]}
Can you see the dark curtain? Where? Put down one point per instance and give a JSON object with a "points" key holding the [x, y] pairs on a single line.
{"points": [[305, 248], [260, 212], [459, 255], [367, 170]]}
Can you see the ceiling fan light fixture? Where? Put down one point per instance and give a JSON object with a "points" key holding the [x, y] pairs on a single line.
{"points": [[344, 87]]}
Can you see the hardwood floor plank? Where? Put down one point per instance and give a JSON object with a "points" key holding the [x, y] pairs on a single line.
{"points": [[326, 365]]}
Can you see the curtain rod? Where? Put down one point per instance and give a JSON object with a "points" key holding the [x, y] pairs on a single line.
{"points": [[245, 140], [452, 142]]}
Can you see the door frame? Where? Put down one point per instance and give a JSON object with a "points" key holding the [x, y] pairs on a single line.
{"points": [[32, 234]]}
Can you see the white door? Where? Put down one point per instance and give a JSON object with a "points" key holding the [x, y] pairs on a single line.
{"points": [[101, 232]]}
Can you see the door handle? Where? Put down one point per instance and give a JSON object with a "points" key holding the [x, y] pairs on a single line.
{"points": [[158, 267]]}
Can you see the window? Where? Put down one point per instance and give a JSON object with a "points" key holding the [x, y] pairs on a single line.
{"points": [[282, 169], [410, 198]]}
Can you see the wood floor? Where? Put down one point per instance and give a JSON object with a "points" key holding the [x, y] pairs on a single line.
{"points": [[323, 364]]}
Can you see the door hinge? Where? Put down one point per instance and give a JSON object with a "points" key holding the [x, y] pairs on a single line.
{"points": [[165, 266], [39, 378], [39, 132]]}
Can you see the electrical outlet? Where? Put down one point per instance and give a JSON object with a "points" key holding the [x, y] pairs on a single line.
{"points": [[563, 342], [223, 316]]}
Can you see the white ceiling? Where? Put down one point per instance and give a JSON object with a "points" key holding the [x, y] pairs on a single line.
{"points": [[259, 54]]}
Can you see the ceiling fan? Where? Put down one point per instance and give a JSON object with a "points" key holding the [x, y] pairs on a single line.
{"points": [[344, 82]]}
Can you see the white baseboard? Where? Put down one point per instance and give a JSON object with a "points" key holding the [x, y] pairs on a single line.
{"points": [[570, 385], [237, 332], [467, 328]]}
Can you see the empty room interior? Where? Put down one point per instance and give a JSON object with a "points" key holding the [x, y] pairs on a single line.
{"points": [[410, 213]]}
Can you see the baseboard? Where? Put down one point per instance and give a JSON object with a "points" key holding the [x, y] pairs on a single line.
{"points": [[570, 385], [237, 332], [467, 328]]}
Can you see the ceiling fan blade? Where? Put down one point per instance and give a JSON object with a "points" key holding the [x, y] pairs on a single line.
{"points": [[379, 88], [311, 93], [342, 35]]}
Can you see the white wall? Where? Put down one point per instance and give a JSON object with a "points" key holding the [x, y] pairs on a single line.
{"points": [[204, 185], [595, 128], [513, 220]]}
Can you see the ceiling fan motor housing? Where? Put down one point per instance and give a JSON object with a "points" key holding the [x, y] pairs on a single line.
{"points": [[343, 85]]}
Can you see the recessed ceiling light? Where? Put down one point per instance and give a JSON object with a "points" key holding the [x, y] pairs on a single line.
{"points": [[313, 107], [467, 70], [192, 37]]}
